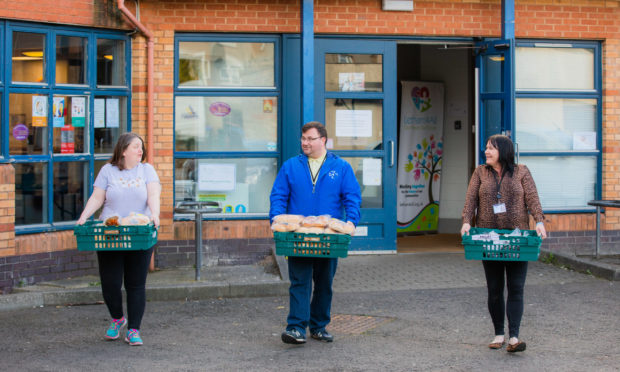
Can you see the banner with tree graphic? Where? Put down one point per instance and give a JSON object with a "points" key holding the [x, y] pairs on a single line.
{"points": [[420, 152]]}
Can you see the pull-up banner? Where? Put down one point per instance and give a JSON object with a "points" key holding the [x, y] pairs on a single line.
{"points": [[420, 152]]}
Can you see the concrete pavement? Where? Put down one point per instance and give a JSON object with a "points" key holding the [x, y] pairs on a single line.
{"points": [[408, 312], [270, 278]]}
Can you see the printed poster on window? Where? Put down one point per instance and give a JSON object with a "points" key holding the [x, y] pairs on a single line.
{"points": [[351, 81], [111, 113], [420, 156], [59, 112], [39, 111], [353, 123], [78, 111], [99, 113], [216, 177]]}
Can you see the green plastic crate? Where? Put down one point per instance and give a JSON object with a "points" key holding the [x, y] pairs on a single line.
{"points": [[510, 248], [311, 245], [91, 237]]}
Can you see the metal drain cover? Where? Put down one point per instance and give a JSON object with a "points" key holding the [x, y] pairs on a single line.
{"points": [[355, 324]]}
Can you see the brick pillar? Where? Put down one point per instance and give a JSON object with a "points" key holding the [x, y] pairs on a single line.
{"points": [[7, 210]]}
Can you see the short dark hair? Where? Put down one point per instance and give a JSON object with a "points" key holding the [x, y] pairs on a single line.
{"points": [[316, 125], [123, 142], [506, 151]]}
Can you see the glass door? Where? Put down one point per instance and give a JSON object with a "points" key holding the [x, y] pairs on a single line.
{"points": [[495, 106], [355, 97]]}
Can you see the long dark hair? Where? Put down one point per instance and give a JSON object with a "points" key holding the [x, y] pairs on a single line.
{"points": [[121, 145], [506, 150]]}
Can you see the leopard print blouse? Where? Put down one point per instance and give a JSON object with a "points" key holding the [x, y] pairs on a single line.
{"points": [[518, 192]]}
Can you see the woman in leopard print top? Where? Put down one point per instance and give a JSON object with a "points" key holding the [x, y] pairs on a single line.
{"points": [[499, 196]]}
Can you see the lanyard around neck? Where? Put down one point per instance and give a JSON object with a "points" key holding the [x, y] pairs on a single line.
{"points": [[499, 185], [314, 177]]}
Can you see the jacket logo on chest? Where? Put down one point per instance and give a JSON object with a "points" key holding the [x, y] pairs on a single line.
{"points": [[333, 174]]}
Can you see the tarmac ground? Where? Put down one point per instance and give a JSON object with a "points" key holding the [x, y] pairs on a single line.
{"points": [[405, 312]]}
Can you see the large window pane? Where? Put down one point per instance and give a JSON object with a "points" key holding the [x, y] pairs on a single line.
{"points": [[493, 114], [28, 62], [554, 68], [70, 124], [226, 123], [354, 72], [354, 124], [111, 62], [370, 183], [110, 122], [240, 185], [70, 182], [492, 81], [30, 193], [556, 124], [71, 54], [556, 181], [28, 124], [226, 64]]}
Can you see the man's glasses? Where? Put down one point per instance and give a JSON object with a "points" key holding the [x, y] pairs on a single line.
{"points": [[309, 139]]}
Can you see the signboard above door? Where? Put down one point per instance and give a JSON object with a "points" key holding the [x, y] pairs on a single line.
{"points": [[400, 5]]}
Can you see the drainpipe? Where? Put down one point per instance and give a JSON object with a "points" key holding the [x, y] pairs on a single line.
{"points": [[149, 88], [149, 76]]}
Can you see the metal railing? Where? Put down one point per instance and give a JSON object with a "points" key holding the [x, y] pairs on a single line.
{"points": [[601, 204]]}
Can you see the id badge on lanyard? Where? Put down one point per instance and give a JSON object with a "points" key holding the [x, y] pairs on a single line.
{"points": [[499, 207]]}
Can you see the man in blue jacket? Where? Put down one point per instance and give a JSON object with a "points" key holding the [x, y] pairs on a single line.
{"points": [[314, 183]]}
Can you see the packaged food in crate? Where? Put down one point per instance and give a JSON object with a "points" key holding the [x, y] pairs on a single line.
{"points": [[501, 245], [95, 236], [311, 245]]}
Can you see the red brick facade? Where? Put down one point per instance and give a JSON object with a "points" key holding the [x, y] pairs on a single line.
{"points": [[548, 19]]}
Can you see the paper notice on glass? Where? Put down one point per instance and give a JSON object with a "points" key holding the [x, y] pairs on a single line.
{"points": [[99, 113], [78, 111], [112, 115], [584, 141], [59, 112], [371, 170], [351, 81], [353, 123], [39, 111], [216, 177]]}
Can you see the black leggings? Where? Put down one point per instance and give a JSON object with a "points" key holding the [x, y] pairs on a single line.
{"points": [[515, 280], [133, 266]]}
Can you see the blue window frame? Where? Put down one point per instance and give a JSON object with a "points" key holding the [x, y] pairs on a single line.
{"points": [[48, 89], [227, 110], [558, 120]]}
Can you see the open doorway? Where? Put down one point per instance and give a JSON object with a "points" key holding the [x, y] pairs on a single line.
{"points": [[453, 67]]}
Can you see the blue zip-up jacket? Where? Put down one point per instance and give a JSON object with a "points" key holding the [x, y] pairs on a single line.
{"points": [[336, 189]]}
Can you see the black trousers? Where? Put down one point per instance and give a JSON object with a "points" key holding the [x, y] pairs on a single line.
{"points": [[515, 272], [132, 266]]}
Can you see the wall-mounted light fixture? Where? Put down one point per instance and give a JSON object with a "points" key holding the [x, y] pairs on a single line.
{"points": [[398, 5], [108, 57]]}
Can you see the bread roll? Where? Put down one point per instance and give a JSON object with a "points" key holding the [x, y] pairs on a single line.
{"points": [[288, 218], [112, 221], [135, 219], [341, 226], [316, 221], [284, 227], [310, 230]]}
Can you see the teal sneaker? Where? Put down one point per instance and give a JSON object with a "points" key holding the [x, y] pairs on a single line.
{"points": [[114, 330], [133, 337]]}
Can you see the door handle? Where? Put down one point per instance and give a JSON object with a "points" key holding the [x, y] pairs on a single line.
{"points": [[517, 152], [391, 154]]}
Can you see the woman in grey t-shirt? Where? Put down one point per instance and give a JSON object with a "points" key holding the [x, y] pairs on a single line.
{"points": [[125, 185]]}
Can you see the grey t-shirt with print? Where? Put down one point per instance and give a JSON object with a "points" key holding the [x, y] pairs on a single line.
{"points": [[125, 190]]}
